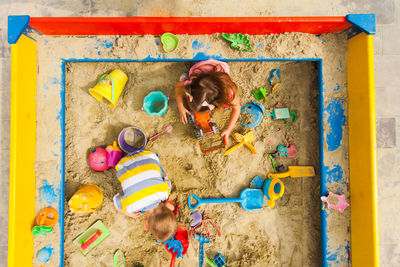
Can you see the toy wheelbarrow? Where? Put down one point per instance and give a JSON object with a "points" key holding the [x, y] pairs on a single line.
{"points": [[243, 140], [250, 199]]}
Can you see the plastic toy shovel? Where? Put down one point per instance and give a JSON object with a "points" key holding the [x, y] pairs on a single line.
{"points": [[294, 172], [182, 236], [250, 199]]}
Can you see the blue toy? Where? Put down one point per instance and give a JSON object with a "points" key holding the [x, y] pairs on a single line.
{"points": [[273, 74], [252, 114], [279, 113], [203, 240], [273, 189], [257, 182], [219, 261], [47, 193], [155, 103], [175, 246], [44, 254], [282, 150], [250, 199]]}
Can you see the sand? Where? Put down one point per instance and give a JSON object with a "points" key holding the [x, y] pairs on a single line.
{"points": [[284, 235], [287, 235]]}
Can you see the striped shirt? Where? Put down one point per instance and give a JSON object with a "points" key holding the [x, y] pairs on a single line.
{"points": [[143, 183]]}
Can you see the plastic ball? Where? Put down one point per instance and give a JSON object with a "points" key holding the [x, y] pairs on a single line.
{"points": [[98, 159]]}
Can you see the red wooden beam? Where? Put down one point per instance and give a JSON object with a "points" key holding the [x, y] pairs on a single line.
{"points": [[187, 25]]}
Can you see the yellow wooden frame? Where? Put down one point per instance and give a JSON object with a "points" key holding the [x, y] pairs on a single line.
{"points": [[362, 151], [22, 152]]}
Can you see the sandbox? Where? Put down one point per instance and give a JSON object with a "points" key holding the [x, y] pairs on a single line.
{"points": [[40, 96]]}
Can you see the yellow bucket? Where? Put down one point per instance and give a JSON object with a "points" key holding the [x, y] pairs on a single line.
{"points": [[110, 87]]}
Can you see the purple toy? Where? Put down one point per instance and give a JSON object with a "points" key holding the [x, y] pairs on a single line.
{"points": [[98, 159], [132, 139], [195, 219], [114, 154]]}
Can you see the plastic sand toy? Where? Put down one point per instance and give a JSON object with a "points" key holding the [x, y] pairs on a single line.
{"points": [[132, 139], [114, 154], [41, 230], [47, 217], [167, 130], [86, 199], [251, 114], [250, 199], [238, 41], [274, 76], [155, 103], [44, 254], [294, 172], [91, 238], [98, 159], [109, 87], [273, 189], [260, 93], [219, 261], [336, 202], [279, 113], [202, 240], [195, 219], [170, 42], [242, 140], [172, 246], [119, 259]]}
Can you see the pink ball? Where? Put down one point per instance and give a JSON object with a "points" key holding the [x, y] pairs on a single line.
{"points": [[98, 159]]}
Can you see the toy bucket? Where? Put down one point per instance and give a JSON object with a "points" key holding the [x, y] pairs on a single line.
{"points": [[155, 103], [132, 139], [110, 87]]}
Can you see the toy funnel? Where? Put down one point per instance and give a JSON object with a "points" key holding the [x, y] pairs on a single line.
{"points": [[110, 87], [132, 139], [155, 103]]}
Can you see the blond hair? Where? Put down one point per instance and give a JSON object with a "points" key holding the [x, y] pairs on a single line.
{"points": [[162, 223]]}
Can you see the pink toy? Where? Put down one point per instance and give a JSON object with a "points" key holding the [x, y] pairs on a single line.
{"points": [[340, 203], [98, 159], [114, 154], [291, 150]]}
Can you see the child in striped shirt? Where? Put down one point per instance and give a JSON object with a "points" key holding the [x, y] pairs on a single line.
{"points": [[145, 189]]}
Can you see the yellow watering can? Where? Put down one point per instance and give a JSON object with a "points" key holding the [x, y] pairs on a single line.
{"points": [[86, 199], [110, 87]]}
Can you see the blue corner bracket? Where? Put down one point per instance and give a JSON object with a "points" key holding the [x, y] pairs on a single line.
{"points": [[16, 27], [363, 22]]}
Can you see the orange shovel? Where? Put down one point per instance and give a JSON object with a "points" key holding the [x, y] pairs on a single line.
{"points": [[242, 140]]}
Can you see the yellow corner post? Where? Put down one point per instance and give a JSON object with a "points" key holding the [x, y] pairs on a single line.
{"points": [[362, 151], [22, 152]]}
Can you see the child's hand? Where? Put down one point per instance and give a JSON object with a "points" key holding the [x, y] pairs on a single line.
{"points": [[182, 112], [225, 134]]}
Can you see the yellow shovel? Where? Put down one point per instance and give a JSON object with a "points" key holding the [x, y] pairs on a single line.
{"points": [[243, 140], [294, 172]]}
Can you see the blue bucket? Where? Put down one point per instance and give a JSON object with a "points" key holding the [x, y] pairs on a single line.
{"points": [[155, 103]]}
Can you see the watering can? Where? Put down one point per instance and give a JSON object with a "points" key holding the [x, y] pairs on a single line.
{"points": [[250, 199]]}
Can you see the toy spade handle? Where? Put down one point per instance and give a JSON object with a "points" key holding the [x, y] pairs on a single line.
{"points": [[278, 175], [201, 255], [209, 200], [172, 264]]}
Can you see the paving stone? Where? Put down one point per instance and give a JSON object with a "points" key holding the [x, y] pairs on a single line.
{"points": [[5, 105], [390, 255], [391, 39], [4, 166], [378, 40], [387, 101], [386, 132], [389, 201], [388, 163], [387, 71], [3, 256], [4, 134]]}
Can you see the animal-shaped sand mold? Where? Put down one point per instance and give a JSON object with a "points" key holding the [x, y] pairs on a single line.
{"points": [[336, 202], [86, 200]]}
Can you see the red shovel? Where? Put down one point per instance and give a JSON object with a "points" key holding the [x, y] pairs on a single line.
{"points": [[183, 237]]}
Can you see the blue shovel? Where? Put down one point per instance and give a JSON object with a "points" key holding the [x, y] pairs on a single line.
{"points": [[250, 199]]}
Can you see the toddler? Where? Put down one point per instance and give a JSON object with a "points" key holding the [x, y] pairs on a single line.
{"points": [[206, 87], [146, 189]]}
